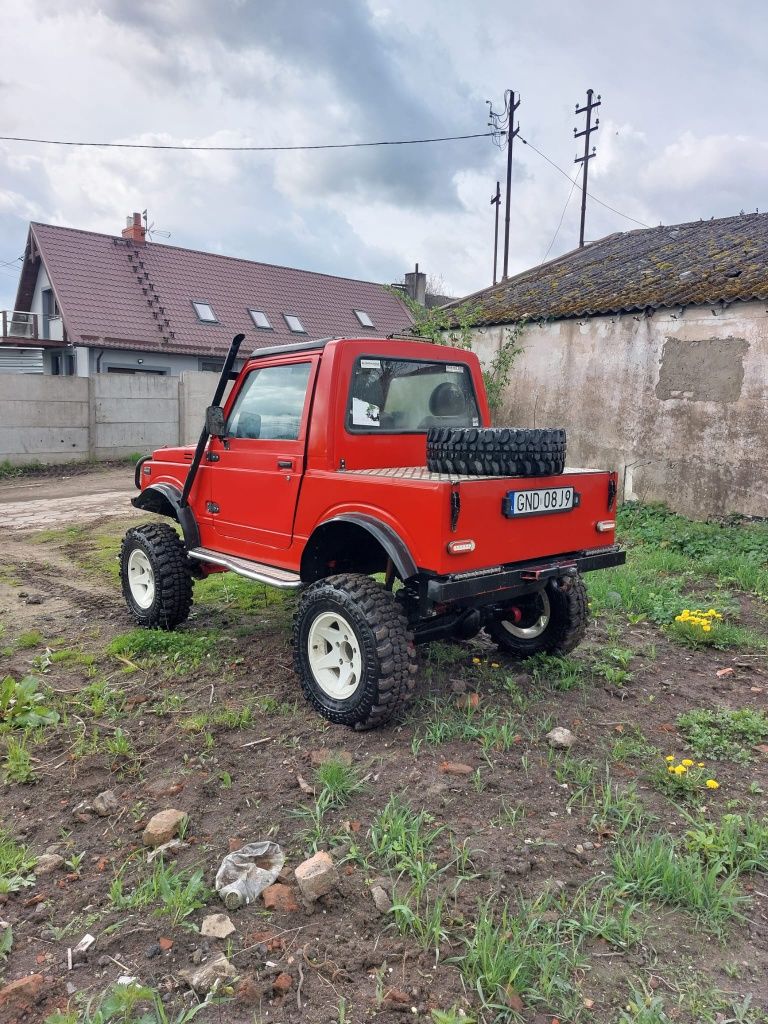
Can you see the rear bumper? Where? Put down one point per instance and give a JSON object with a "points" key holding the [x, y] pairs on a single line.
{"points": [[487, 587]]}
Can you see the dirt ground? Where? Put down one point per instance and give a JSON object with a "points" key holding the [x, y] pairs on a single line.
{"points": [[213, 724], [37, 502]]}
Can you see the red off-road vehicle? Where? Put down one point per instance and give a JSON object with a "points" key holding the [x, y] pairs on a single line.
{"points": [[363, 472]]}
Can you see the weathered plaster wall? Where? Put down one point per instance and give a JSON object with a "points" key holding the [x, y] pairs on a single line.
{"points": [[678, 405]]}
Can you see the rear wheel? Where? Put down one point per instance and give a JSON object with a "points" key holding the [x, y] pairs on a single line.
{"points": [[155, 576], [552, 621], [353, 653]]}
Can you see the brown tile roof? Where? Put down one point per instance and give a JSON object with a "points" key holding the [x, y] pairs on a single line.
{"points": [[114, 294], [682, 265]]}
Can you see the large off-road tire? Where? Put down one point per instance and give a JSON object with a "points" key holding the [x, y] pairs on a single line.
{"points": [[495, 451], [554, 621], [155, 576], [353, 652]]}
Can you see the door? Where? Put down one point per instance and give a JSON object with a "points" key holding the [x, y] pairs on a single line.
{"points": [[255, 473]]}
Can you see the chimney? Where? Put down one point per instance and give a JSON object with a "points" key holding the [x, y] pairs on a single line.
{"points": [[134, 230], [416, 286]]}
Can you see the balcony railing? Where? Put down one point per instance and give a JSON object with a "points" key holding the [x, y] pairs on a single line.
{"points": [[21, 325]]}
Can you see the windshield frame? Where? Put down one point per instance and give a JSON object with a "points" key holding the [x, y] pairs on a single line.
{"points": [[378, 431]]}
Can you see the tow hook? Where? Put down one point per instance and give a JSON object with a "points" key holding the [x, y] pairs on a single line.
{"points": [[513, 614]]}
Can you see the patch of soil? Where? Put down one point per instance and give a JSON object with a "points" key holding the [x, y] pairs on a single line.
{"points": [[240, 785]]}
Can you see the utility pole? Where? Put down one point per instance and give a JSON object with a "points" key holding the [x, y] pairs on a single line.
{"points": [[503, 124], [496, 201], [587, 109]]}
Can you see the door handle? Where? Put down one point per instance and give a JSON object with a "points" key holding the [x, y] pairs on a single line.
{"points": [[285, 463]]}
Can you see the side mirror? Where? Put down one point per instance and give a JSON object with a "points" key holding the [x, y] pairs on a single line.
{"points": [[215, 423]]}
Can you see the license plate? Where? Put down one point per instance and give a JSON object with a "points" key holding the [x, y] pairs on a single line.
{"points": [[538, 502]]}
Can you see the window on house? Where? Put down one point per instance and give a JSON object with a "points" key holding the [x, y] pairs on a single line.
{"points": [[294, 324], [212, 365], [260, 319], [365, 318], [205, 313], [62, 364]]}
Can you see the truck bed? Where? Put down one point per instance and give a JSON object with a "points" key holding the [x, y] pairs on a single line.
{"points": [[422, 473]]}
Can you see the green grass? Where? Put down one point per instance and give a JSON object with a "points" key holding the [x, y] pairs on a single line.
{"points": [[618, 811], [674, 563], [731, 553], [26, 641], [337, 782], [16, 864], [17, 763], [335, 785], [492, 729], [630, 745], [657, 869], [227, 590], [176, 894], [737, 843], [556, 671], [723, 734], [513, 951], [178, 652]]}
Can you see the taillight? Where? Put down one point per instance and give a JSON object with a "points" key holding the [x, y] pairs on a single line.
{"points": [[460, 547]]}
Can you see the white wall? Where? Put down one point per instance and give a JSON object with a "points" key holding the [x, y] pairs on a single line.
{"points": [[678, 405]]}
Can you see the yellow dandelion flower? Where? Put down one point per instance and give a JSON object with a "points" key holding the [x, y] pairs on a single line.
{"points": [[679, 769], [711, 784], [476, 661], [670, 757], [495, 664], [706, 627], [670, 769], [687, 762], [700, 764]]}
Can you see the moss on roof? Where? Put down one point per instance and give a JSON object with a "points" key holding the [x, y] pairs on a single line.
{"points": [[680, 265]]}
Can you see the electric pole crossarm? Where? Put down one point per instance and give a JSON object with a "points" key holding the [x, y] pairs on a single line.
{"points": [[585, 134]]}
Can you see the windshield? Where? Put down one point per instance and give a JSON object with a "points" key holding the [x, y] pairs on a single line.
{"points": [[390, 396]]}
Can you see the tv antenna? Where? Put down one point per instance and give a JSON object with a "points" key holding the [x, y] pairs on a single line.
{"points": [[151, 230]]}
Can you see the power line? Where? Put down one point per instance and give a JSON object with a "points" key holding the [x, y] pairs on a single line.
{"points": [[590, 194], [243, 149], [560, 222]]}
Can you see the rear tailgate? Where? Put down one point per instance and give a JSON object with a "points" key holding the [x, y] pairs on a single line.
{"points": [[513, 519]]}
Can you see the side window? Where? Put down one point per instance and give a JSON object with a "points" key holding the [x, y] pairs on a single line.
{"points": [[271, 402]]}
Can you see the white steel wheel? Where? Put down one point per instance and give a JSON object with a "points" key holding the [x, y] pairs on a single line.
{"points": [[333, 652], [537, 619], [141, 579]]}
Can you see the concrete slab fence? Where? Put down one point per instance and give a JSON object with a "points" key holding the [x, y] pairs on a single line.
{"points": [[65, 419]]}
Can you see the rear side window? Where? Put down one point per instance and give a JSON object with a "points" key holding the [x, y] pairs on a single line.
{"points": [[270, 403], [406, 396]]}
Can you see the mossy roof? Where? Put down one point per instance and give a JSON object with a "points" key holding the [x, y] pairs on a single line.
{"points": [[702, 262]]}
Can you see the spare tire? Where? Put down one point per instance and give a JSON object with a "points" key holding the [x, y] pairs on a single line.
{"points": [[495, 451]]}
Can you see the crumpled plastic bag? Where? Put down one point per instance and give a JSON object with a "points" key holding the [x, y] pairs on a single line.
{"points": [[246, 873]]}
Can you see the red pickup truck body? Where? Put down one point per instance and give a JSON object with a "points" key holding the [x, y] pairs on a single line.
{"points": [[264, 500]]}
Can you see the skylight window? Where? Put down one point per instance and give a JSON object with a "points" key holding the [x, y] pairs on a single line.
{"points": [[260, 319], [365, 318], [205, 313], [294, 324]]}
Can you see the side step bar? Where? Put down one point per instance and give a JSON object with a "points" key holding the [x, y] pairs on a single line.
{"points": [[251, 570]]}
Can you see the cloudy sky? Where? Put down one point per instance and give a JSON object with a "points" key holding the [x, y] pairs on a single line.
{"points": [[683, 124]]}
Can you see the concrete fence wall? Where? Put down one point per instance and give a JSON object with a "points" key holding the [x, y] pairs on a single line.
{"points": [[63, 419]]}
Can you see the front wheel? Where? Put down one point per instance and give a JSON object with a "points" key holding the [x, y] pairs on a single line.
{"points": [[155, 576], [353, 652], [552, 621]]}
